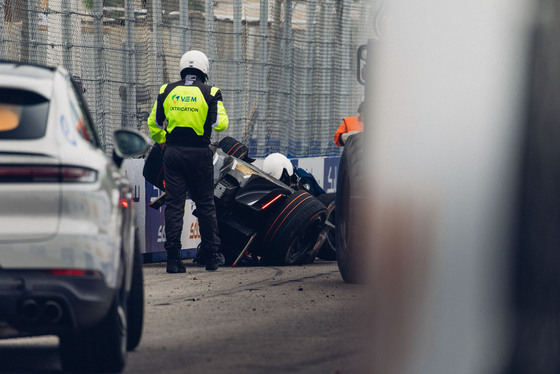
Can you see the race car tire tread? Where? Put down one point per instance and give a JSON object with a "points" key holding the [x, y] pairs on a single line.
{"points": [[300, 211], [297, 201]]}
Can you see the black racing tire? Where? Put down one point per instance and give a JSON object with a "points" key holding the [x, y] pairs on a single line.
{"points": [[290, 236], [100, 348], [235, 148], [135, 308], [328, 248], [348, 236], [230, 146]]}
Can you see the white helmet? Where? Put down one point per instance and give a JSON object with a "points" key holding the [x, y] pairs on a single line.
{"points": [[276, 164], [196, 60]]}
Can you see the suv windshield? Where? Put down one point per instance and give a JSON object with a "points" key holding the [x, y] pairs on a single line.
{"points": [[23, 114]]}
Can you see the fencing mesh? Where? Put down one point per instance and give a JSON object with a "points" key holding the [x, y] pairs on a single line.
{"points": [[286, 68]]}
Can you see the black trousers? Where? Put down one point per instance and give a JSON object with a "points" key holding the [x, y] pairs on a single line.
{"points": [[189, 169]]}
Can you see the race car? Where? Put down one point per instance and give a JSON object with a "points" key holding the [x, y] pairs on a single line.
{"points": [[70, 264], [258, 216]]}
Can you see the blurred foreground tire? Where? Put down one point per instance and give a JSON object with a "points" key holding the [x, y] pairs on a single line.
{"points": [[350, 251], [135, 307], [99, 349]]}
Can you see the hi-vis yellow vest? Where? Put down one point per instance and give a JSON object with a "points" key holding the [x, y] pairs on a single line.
{"points": [[186, 106]]}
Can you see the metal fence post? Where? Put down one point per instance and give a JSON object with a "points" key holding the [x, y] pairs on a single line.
{"points": [[263, 73], [210, 37], [98, 71], [158, 43], [275, 62], [67, 35], [306, 107], [288, 121], [2, 18], [130, 115], [32, 19], [54, 37], [341, 74], [238, 98], [323, 79], [184, 21]]}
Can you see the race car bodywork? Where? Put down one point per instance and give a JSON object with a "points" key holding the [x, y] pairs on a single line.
{"points": [[284, 223]]}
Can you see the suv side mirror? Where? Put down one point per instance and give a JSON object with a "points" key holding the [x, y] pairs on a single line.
{"points": [[129, 143], [361, 66]]}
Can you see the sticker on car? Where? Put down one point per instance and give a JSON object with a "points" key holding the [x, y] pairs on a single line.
{"points": [[67, 131]]}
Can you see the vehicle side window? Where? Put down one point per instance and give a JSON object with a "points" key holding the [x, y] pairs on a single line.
{"points": [[81, 118], [23, 114]]}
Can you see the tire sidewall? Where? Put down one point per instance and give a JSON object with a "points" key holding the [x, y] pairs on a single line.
{"points": [[299, 213], [135, 311], [347, 229]]}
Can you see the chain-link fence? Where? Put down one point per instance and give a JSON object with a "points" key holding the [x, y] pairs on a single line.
{"points": [[286, 67]]}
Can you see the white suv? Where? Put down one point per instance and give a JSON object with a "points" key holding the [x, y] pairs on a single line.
{"points": [[69, 259]]}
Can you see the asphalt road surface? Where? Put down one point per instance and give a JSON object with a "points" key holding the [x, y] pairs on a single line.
{"points": [[271, 320]]}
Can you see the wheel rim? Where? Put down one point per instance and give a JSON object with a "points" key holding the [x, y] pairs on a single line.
{"points": [[331, 235], [305, 242]]}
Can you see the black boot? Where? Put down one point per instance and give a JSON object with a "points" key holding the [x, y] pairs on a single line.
{"points": [[200, 258], [213, 260], [174, 262]]}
